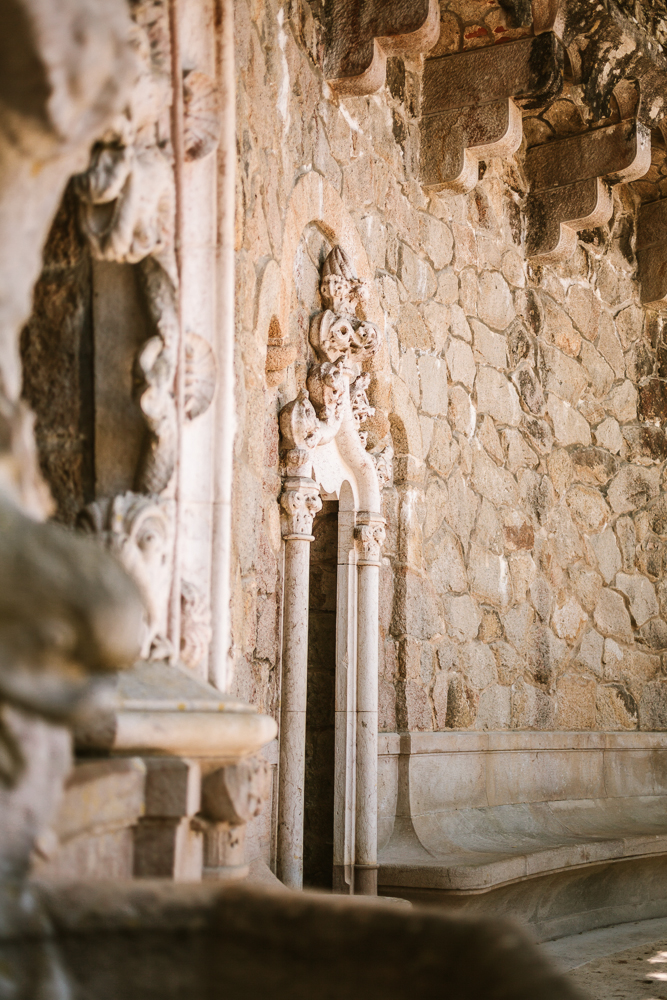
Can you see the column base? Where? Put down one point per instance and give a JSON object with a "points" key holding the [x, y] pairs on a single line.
{"points": [[365, 880]]}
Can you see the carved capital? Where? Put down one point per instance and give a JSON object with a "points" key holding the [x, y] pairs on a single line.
{"points": [[370, 534], [300, 502]]}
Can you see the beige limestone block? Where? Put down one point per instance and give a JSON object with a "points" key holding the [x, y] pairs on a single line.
{"points": [[479, 665], [497, 485], [532, 708], [447, 570], [522, 572], [512, 268], [497, 397], [587, 585], [439, 699], [590, 652], [653, 706], [460, 325], [462, 413], [616, 709], [448, 287], [569, 425], [610, 348], [587, 507], [561, 470], [629, 324], [633, 487], [411, 329], [601, 376], [487, 435], [462, 617], [575, 702], [462, 506], [489, 576], [416, 274], [438, 320], [410, 374], [607, 554], [494, 708], [622, 402], [611, 616], [557, 328], [519, 454], [568, 619], [437, 240], [585, 309], [490, 348], [444, 451], [560, 374], [641, 597], [495, 306], [460, 363], [608, 435], [433, 380]]}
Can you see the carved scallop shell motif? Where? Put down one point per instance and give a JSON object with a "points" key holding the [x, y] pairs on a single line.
{"points": [[200, 375], [201, 115]]}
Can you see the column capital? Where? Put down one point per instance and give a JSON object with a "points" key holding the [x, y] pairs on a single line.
{"points": [[370, 534], [300, 501]]}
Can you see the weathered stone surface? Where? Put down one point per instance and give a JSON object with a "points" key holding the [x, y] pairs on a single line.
{"points": [[495, 307], [598, 371], [460, 363], [479, 665], [593, 466], [530, 391], [569, 425], [645, 442], [489, 576], [608, 436], [461, 704], [557, 328], [622, 402], [653, 400], [610, 348], [433, 380], [611, 616], [560, 374], [654, 634], [641, 597], [497, 485], [616, 708], [447, 568], [585, 308], [575, 702], [531, 707], [568, 619], [490, 348], [462, 617], [497, 397], [444, 451], [494, 708], [590, 652], [487, 435], [587, 507], [633, 487], [608, 557], [653, 706], [462, 413]]}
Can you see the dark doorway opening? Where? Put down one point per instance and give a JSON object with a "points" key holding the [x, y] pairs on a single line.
{"points": [[321, 699]]}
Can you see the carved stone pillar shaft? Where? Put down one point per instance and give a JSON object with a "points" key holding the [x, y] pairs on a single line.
{"points": [[300, 502], [370, 534]]}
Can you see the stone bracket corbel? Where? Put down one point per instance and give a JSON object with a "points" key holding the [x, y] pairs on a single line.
{"points": [[360, 34], [468, 108], [651, 250], [570, 184]]}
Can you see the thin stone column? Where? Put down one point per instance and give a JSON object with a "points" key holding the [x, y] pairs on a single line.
{"points": [[300, 502], [371, 534]]}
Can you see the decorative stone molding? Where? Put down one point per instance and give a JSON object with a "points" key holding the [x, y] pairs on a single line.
{"points": [[201, 114], [138, 530], [468, 111], [570, 181], [195, 625], [651, 250], [370, 533], [358, 35], [300, 501]]}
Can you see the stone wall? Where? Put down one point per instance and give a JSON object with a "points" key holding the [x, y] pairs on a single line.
{"points": [[523, 579]]}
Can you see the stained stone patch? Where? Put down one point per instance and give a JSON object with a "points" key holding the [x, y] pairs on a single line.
{"points": [[633, 487], [530, 390], [616, 709]]}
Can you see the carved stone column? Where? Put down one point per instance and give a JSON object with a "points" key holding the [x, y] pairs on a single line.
{"points": [[300, 502], [370, 535]]}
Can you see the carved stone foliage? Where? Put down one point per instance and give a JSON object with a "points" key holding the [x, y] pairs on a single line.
{"points": [[138, 530], [370, 535], [359, 34], [195, 625], [468, 110], [300, 501]]}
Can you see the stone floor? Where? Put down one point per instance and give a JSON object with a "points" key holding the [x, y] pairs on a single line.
{"points": [[628, 962]]}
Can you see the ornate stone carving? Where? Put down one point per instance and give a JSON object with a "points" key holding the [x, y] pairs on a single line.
{"points": [[327, 387], [127, 212], [138, 530], [339, 331], [361, 407], [300, 501], [384, 466], [195, 625], [200, 375], [370, 534], [201, 115]]}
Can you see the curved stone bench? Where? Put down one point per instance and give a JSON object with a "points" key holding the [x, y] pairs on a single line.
{"points": [[563, 831]]}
